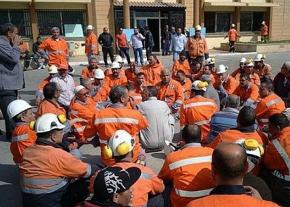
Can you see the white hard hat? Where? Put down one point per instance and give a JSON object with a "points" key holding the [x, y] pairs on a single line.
{"points": [[90, 27], [233, 25], [222, 69], [198, 27], [78, 89], [119, 59], [16, 107], [99, 74], [243, 60], [259, 57], [121, 143], [250, 64], [48, 122], [199, 85], [116, 65], [263, 22], [52, 69], [210, 61]]}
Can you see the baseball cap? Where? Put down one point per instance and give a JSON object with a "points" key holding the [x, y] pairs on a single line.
{"points": [[113, 180]]}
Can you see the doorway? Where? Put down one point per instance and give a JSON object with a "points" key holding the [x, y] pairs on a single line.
{"points": [[154, 26]]}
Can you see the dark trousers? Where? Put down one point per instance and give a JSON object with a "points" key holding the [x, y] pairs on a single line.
{"points": [[166, 47], [124, 51], [148, 51], [6, 97], [106, 51], [232, 46], [138, 51]]}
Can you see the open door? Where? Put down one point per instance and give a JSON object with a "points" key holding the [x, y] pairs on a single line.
{"points": [[154, 27]]}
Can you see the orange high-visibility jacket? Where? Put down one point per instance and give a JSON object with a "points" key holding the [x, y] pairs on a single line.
{"points": [[186, 88], [82, 110], [233, 35], [264, 30], [135, 98], [233, 135], [252, 92], [148, 183], [102, 94], [109, 120], [91, 44], [22, 137], [189, 170], [152, 73], [198, 110], [254, 78], [197, 47], [109, 72], [45, 169], [230, 85], [57, 51], [47, 106], [277, 153], [171, 93], [111, 81], [43, 83], [229, 201], [184, 66], [265, 71], [131, 76], [269, 106], [87, 73]]}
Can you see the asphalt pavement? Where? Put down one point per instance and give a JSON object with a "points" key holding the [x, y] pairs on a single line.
{"points": [[9, 182]]}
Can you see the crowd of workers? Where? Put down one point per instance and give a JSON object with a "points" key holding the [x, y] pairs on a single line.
{"points": [[233, 148]]}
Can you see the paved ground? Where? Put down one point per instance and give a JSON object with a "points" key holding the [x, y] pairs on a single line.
{"points": [[9, 184]]}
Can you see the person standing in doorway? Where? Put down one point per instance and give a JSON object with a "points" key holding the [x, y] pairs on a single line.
{"points": [[149, 41], [106, 40], [264, 32], [136, 41], [123, 45], [165, 41], [233, 38], [11, 72]]}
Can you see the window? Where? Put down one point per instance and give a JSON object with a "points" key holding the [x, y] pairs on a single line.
{"points": [[19, 18], [56, 18], [251, 21], [217, 21]]}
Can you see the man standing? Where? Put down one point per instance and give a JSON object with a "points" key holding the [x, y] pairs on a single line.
{"points": [[233, 37], [11, 73], [136, 42], [91, 46], [264, 32], [178, 43], [149, 41], [106, 40], [55, 48], [122, 45], [165, 41]]}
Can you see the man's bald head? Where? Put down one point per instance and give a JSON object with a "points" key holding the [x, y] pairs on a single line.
{"points": [[165, 76], [229, 161], [191, 134]]}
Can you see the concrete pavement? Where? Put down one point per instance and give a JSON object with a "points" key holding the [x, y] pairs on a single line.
{"points": [[9, 184]]}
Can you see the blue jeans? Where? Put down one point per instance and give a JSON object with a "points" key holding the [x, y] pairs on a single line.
{"points": [[136, 52], [176, 55]]}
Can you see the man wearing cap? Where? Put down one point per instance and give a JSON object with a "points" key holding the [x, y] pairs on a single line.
{"points": [[123, 45], [178, 43], [261, 68], [52, 70], [66, 84], [249, 69], [101, 90], [225, 82], [233, 37], [82, 106], [198, 109], [46, 169], [282, 81], [106, 41], [181, 64], [55, 48], [88, 72], [113, 186], [116, 78], [236, 73], [197, 46], [91, 45], [264, 32]]}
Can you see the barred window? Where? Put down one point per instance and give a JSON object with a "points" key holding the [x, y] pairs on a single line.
{"points": [[20, 18], [58, 18], [251, 21], [217, 21]]}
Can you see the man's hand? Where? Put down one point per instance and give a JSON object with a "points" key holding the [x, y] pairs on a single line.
{"points": [[16, 41]]}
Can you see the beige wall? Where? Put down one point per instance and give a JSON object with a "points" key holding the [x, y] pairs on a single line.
{"points": [[189, 20]]}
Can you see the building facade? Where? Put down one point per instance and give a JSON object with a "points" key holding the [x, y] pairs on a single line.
{"points": [[36, 17]]}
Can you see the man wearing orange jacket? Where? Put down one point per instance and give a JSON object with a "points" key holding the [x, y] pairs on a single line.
{"points": [[229, 166], [188, 169], [82, 106], [198, 109], [269, 104], [46, 169], [185, 84], [146, 191], [152, 71], [55, 48], [88, 72], [91, 44], [276, 159], [225, 81], [245, 129], [116, 78], [181, 64], [170, 91], [233, 37], [117, 116]]}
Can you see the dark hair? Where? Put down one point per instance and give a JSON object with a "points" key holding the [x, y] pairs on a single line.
{"points": [[130, 87], [116, 93], [279, 120], [233, 101], [182, 53], [7, 27], [49, 90], [247, 116], [181, 71], [152, 91], [198, 92], [140, 73], [268, 83], [191, 133], [245, 75]]}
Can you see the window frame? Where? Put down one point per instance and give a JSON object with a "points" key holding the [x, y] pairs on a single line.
{"points": [[216, 18]]}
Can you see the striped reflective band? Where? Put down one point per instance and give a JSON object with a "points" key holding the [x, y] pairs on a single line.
{"points": [[19, 138], [189, 161], [202, 122], [88, 172], [274, 101], [103, 141], [264, 120], [207, 103], [137, 97], [193, 194], [55, 52], [284, 156], [116, 120], [41, 186], [79, 129], [146, 176]]}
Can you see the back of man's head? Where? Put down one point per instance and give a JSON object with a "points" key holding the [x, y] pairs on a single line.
{"points": [[49, 90], [191, 134], [116, 93], [152, 91], [233, 101], [246, 116], [279, 120], [229, 162]]}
